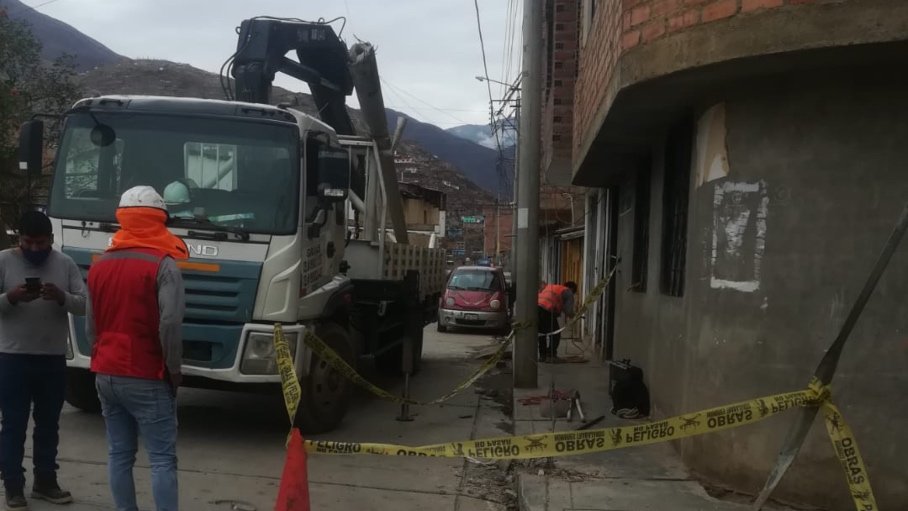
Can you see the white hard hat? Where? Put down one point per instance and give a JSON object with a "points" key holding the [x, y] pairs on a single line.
{"points": [[177, 192], [142, 197]]}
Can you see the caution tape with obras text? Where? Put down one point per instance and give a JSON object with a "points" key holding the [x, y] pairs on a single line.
{"points": [[589, 441], [570, 443]]}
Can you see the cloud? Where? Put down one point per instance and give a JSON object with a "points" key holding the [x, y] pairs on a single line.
{"points": [[428, 50]]}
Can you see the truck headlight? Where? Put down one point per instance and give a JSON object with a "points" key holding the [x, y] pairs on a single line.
{"points": [[495, 305], [258, 355], [449, 302]]}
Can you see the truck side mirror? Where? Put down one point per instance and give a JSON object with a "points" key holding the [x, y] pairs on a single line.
{"points": [[31, 146], [333, 174]]}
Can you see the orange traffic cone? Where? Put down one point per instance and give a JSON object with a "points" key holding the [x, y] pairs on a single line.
{"points": [[293, 494]]}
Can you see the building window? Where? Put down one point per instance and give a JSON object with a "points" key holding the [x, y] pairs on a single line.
{"points": [[676, 187], [641, 228]]}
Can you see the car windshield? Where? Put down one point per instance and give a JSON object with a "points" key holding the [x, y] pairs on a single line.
{"points": [[474, 280], [217, 174]]}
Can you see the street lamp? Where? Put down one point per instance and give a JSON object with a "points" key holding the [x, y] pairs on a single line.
{"points": [[512, 89], [512, 86]]}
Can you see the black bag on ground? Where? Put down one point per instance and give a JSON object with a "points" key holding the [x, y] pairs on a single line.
{"points": [[630, 397]]}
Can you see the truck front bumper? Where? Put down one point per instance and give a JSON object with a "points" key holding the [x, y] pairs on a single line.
{"points": [[238, 372]]}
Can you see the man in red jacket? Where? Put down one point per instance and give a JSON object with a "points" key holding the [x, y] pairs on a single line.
{"points": [[135, 315], [552, 301]]}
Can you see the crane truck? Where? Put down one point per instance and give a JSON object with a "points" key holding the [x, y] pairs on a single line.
{"points": [[290, 218]]}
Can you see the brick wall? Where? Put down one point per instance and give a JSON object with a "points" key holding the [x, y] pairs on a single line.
{"points": [[505, 237], [561, 64], [619, 26]]}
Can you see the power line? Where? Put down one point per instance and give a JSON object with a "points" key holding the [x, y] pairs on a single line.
{"points": [[417, 98], [34, 8], [485, 66], [510, 37]]}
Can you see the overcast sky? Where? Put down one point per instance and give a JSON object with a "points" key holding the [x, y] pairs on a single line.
{"points": [[428, 50]]}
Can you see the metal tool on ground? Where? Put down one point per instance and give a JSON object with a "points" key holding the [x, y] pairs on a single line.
{"points": [[576, 401]]}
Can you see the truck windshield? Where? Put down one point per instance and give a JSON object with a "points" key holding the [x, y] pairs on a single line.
{"points": [[213, 173]]}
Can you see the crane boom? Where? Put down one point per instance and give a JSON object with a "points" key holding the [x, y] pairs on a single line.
{"points": [[331, 72]]}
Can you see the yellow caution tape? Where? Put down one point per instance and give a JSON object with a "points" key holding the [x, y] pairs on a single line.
{"points": [[846, 450], [596, 440], [289, 382], [592, 297], [579, 442], [324, 352]]}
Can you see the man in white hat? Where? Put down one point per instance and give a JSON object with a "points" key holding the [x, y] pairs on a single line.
{"points": [[135, 315]]}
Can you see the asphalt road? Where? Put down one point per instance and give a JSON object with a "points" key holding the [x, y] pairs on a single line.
{"points": [[231, 447]]}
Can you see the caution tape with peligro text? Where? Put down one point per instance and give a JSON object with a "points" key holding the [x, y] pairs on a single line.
{"points": [[570, 443], [587, 441]]}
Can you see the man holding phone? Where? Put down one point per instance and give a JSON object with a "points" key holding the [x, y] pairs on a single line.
{"points": [[38, 287]]}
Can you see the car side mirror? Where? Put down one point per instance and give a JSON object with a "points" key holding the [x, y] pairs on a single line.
{"points": [[333, 174], [31, 146]]}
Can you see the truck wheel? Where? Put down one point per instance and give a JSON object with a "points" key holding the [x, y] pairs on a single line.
{"points": [[441, 328], [81, 391], [326, 392]]}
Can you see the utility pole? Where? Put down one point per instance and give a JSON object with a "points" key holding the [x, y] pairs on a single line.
{"points": [[497, 233], [529, 135]]}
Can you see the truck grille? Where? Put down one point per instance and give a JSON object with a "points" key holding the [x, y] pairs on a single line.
{"points": [[217, 306], [219, 298]]}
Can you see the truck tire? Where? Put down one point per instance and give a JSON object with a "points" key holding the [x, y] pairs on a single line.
{"points": [[81, 391], [326, 393], [441, 328]]}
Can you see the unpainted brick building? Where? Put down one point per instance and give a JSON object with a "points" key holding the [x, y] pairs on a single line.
{"points": [[745, 162]]}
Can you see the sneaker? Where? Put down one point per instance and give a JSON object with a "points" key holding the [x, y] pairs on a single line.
{"points": [[15, 501], [50, 491]]}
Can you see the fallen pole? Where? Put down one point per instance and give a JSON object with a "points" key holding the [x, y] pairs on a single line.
{"points": [[826, 370]]}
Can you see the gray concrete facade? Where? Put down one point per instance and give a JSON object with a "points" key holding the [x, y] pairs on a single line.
{"points": [[795, 185]]}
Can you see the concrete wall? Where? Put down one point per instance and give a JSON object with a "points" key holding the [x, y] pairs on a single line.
{"points": [[794, 191]]}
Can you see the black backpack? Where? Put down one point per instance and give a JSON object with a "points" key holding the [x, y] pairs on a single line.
{"points": [[630, 397]]}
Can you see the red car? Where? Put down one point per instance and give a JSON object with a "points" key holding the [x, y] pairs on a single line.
{"points": [[475, 297]]}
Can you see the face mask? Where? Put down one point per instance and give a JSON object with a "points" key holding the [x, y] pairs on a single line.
{"points": [[36, 257]]}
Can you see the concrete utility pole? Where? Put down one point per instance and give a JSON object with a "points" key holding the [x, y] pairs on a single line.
{"points": [[527, 278]]}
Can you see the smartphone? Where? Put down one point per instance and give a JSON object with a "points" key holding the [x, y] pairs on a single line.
{"points": [[33, 285]]}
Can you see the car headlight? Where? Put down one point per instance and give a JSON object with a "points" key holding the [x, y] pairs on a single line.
{"points": [[495, 305], [449, 301], [258, 355]]}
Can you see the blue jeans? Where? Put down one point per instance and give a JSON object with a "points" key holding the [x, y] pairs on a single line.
{"points": [[24, 380], [134, 406]]}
